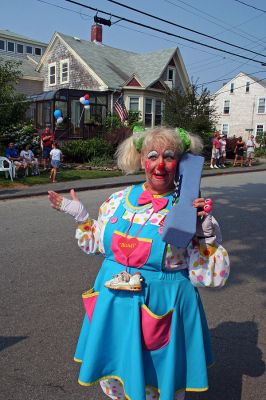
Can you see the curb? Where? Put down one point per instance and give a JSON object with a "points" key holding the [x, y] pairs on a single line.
{"points": [[29, 192]]}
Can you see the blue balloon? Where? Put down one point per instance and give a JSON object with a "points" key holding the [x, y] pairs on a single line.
{"points": [[86, 102], [57, 114]]}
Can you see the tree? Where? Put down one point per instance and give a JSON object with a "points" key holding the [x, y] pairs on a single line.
{"points": [[191, 110], [12, 104]]}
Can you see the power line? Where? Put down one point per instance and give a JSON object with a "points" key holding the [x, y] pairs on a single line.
{"points": [[216, 18], [142, 32], [182, 27], [167, 33], [239, 87], [249, 5], [228, 78]]}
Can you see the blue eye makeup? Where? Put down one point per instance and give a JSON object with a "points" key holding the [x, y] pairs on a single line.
{"points": [[152, 154], [169, 154]]}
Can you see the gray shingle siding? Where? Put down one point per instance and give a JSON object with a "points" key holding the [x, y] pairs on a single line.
{"points": [[79, 77], [29, 87]]}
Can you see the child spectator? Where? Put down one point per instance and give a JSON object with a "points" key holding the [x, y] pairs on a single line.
{"points": [[56, 156], [29, 160]]}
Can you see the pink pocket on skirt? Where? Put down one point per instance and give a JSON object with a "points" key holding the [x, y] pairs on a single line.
{"points": [[155, 329], [129, 250], [89, 300]]}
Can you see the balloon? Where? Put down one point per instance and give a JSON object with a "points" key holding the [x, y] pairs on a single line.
{"points": [[87, 96], [59, 120], [86, 102], [82, 99], [87, 107], [57, 113]]}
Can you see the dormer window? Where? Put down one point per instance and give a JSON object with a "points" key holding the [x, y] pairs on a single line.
{"points": [[52, 74], [171, 74], [64, 71]]}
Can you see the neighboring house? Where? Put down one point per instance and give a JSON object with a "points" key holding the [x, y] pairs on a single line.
{"points": [[241, 106], [71, 67], [28, 52]]}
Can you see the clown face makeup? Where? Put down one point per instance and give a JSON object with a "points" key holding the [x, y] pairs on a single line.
{"points": [[160, 165]]}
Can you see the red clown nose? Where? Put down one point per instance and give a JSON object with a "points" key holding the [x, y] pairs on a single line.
{"points": [[161, 166]]}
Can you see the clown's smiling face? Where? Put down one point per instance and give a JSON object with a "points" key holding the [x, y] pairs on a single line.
{"points": [[159, 162]]}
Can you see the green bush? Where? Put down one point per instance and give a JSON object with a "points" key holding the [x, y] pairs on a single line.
{"points": [[260, 152], [21, 134], [81, 151]]}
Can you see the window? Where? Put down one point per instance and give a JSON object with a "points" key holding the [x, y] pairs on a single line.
{"points": [[226, 106], [148, 112], [64, 71], [225, 129], [261, 105], [158, 112], [11, 47], [171, 74], [52, 74], [20, 48], [247, 87], [232, 88], [2, 44], [38, 51], [134, 103], [29, 49], [259, 129]]}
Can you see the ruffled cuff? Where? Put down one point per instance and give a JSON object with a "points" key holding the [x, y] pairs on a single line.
{"points": [[88, 236], [208, 265]]}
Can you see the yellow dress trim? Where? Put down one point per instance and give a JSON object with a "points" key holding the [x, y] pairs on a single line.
{"points": [[154, 315], [89, 223], [128, 236], [145, 205], [89, 293], [77, 360]]}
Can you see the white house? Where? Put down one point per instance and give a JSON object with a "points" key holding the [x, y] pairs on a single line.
{"points": [[241, 106]]}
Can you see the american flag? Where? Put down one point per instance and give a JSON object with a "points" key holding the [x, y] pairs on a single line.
{"points": [[120, 108]]}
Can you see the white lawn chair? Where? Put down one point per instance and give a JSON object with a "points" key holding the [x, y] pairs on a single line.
{"points": [[7, 167]]}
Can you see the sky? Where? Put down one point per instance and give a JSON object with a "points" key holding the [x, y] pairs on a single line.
{"points": [[227, 20]]}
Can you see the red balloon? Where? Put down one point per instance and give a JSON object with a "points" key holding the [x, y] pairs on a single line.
{"points": [[87, 96]]}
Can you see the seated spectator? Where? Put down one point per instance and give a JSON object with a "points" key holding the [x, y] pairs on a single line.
{"points": [[12, 154], [29, 159], [47, 139]]}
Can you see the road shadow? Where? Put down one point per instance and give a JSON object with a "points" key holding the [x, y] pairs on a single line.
{"points": [[241, 221], [236, 354], [7, 341]]}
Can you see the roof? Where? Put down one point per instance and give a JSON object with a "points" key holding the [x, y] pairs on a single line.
{"points": [[260, 81], [27, 67], [14, 36], [115, 66]]}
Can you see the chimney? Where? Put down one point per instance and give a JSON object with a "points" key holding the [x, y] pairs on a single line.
{"points": [[96, 33]]}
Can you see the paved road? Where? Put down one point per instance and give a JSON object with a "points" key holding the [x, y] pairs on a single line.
{"points": [[43, 273]]}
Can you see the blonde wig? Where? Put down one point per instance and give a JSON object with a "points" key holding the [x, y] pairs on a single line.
{"points": [[129, 158]]}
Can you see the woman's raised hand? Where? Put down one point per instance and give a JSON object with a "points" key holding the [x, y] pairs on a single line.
{"points": [[72, 207]]}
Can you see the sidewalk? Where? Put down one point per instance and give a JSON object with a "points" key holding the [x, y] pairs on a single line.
{"points": [[95, 184]]}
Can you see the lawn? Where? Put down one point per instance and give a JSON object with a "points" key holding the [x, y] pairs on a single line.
{"points": [[63, 176]]}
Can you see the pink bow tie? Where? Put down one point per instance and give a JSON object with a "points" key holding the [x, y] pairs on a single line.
{"points": [[157, 203]]}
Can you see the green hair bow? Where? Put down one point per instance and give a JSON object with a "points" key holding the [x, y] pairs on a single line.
{"points": [[185, 139]]}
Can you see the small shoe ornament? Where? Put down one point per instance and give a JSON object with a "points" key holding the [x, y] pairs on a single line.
{"points": [[125, 281]]}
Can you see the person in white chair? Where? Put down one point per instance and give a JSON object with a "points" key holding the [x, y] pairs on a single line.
{"points": [[29, 159], [12, 154]]}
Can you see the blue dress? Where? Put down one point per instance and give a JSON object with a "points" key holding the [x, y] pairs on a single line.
{"points": [[157, 337]]}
